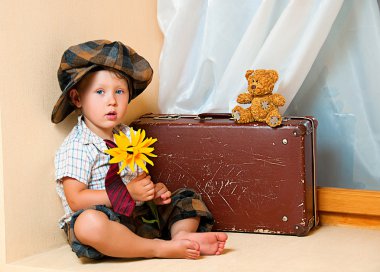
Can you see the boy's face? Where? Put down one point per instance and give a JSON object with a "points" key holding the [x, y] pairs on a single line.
{"points": [[103, 99]]}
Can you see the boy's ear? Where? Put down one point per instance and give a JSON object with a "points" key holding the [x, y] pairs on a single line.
{"points": [[75, 98]]}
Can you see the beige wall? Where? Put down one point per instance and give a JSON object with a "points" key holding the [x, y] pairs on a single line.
{"points": [[2, 215], [34, 35]]}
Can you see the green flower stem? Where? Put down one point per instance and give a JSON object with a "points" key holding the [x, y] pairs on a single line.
{"points": [[153, 208]]}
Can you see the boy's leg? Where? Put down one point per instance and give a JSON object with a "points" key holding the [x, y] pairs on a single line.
{"points": [[95, 229], [187, 214], [211, 243]]}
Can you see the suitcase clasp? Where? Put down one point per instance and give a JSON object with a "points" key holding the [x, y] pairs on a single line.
{"points": [[167, 117]]}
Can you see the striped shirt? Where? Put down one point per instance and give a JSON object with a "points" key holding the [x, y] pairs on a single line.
{"points": [[82, 157]]}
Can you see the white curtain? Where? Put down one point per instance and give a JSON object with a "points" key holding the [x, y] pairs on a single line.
{"points": [[342, 90], [209, 44], [327, 54]]}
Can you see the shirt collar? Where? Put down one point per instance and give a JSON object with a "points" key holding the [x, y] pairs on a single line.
{"points": [[89, 137]]}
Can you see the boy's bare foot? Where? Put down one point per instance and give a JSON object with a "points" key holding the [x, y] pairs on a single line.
{"points": [[211, 243], [178, 249]]}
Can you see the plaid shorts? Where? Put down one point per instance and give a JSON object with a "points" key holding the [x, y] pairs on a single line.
{"points": [[185, 204]]}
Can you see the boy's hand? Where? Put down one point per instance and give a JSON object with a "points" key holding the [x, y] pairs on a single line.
{"points": [[162, 195], [141, 188]]}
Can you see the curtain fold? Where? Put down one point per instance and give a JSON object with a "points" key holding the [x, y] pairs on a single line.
{"points": [[210, 44], [327, 54], [342, 90]]}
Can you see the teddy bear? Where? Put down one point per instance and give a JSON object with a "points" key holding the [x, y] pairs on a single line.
{"points": [[264, 104]]}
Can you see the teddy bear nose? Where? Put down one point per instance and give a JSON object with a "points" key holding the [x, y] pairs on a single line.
{"points": [[253, 87]]}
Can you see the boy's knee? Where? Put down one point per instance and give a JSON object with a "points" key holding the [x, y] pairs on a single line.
{"points": [[90, 225]]}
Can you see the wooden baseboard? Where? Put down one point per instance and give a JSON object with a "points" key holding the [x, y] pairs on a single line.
{"points": [[349, 207]]}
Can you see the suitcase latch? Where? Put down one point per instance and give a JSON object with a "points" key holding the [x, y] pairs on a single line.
{"points": [[167, 117]]}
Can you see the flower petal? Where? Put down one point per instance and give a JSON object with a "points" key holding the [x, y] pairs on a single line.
{"points": [[149, 142], [145, 158], [132, 164], [146, 150], [123, 165], [132, 151], [114, 152], [151, 155], [133, 137], [142, 165], [119, 158], [142, 137], [122, 140]]}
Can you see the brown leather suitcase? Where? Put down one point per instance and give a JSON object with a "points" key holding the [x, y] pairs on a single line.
{"points": [[252, 177]]}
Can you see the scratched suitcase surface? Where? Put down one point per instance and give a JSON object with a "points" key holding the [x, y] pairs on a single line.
{"points": [[252, 177]]}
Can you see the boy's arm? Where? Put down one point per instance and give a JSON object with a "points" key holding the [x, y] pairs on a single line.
{"points": [[79, 196]]}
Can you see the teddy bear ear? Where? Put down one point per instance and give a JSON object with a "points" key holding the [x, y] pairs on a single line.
{"points": [[248, 73], [274, 75]]}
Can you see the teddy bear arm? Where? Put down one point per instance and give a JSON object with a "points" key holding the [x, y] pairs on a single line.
{"points": [[244, 98], [278, 100]]}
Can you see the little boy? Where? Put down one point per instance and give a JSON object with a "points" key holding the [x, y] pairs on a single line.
{"points": [[100, 78]]}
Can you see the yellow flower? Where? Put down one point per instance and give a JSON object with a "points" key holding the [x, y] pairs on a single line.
{"points": [[131, 151]]}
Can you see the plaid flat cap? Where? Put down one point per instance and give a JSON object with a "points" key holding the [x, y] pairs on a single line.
{"points": [[81, 59]]}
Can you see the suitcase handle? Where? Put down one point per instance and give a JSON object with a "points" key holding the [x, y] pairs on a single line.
{"points": [[208, 115], [202, 116]]}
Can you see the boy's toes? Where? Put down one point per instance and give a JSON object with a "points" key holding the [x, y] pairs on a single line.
{"points": [[193, 254], [193, 251], [195, 246], [220, 249], [221, 236]]}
